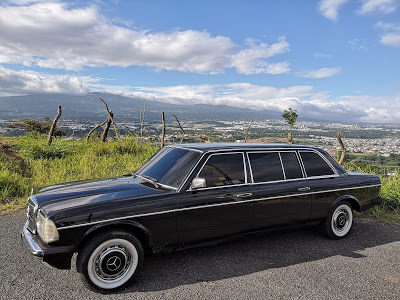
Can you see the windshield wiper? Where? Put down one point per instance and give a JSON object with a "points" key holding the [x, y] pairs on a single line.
{"points": [[150, 179]]}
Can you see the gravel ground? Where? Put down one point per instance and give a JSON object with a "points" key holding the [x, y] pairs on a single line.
{"points": [[295, 264]]}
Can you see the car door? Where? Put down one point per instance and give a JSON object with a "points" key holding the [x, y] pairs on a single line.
{"points": [[281, 193], [222, 208], [325, 183]]}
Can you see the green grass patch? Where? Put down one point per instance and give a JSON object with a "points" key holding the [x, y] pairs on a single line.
{"points": [[27, 162], [390, 192]]}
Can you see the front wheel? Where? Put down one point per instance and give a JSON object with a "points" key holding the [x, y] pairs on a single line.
{"points": [[109, 261], [340, 221]]}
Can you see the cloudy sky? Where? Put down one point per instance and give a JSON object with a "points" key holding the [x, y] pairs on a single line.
{"points": [[323, 58]]}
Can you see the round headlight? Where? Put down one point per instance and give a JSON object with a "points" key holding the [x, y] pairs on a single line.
{"points": [[46, 228]]}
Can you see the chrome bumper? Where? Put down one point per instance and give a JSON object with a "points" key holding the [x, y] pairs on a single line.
{"points": [[30, 243]]}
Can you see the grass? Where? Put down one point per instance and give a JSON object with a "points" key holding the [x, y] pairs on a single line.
{"points": [[390, 193], [27, 162]]}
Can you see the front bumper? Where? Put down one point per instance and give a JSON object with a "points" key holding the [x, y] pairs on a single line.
{"points": [[56, 256], [30, 243]]}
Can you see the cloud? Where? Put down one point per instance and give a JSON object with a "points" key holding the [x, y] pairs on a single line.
{"points": [[304, 99], [329, 8], [309, 103], [321, 73], [390, 34], [28, 82], [251, 60], [380, 6], [359, 45], [45, 35]]}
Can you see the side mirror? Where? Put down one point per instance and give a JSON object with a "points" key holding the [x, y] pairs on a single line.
{"points": [[198, 183]]}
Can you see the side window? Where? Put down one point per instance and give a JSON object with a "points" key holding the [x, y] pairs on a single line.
{"points": [[291, 165], [266, 166], [223, 169], [315, 165]]}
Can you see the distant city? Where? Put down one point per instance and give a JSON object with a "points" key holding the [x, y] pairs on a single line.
{"points": [[218, 123], [358, 138]]}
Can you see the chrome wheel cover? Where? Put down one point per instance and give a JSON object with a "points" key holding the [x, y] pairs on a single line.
{"points": [[342, 220], [112, 263]]}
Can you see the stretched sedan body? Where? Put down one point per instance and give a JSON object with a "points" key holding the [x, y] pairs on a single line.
{"points": [[187, 194]]}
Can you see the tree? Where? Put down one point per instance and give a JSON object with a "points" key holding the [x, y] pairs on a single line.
{"points": [[290, 117], [32, 125]]}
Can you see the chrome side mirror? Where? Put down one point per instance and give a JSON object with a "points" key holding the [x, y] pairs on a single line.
{"points": [[198, 183]]}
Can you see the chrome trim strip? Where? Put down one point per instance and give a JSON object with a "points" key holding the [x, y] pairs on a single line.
{"points": [[26, 236], [208, 205], [217, 204], [261, 149], [119, 218], [312, 193], [283, 169], [250, 169], [297, 179], [185, 148], [220, 187]]}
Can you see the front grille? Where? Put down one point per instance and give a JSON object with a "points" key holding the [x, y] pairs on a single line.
{"points": [[31, 215]]}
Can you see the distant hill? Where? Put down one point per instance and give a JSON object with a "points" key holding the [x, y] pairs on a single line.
{"points": [[124, 108]]}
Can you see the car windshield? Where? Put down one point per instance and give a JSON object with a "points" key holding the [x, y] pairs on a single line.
{"points": [[169, 166]]}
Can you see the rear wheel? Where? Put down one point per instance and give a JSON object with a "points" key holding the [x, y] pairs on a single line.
{"points": [[109, 261], [340, 221]]}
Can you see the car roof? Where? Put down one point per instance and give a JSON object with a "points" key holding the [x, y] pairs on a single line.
{"points": [[209, 147]]}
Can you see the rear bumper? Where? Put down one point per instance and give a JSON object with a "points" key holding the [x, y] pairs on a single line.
{"points": [[56, 256], [372, 203]]}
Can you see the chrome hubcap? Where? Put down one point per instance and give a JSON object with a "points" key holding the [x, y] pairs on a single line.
{"points": [[112, 262], [342, 220]]}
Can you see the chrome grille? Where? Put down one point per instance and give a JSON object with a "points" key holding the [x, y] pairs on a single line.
{"points": [[31, 215]]}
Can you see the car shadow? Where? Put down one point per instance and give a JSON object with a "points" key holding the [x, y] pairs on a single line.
{"points": [[258, 252]]}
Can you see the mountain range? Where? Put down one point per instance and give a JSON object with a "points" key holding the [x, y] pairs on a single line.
{"points": [[125, 109]]}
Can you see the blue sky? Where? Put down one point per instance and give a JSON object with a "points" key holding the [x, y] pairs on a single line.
{"points": [[324, 57]]}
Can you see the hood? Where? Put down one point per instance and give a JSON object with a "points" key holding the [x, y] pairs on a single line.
{"points": [[80, 193]]}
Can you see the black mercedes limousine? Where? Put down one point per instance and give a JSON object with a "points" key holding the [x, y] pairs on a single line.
{"points": [[189, 194]]}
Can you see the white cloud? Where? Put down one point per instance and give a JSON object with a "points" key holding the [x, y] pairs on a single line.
{"points": [[45, 35], [28, 82], [391, 39], [329, 8], [304, 99], [377, 109], [252, 60], [390, 34], [381, 6], [308, 102], [321, 73]]}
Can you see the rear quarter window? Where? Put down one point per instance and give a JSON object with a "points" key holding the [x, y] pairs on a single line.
{"points": [[315, 165]]}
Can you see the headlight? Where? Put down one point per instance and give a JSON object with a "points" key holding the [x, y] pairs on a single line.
{"points": [[46, 228]]}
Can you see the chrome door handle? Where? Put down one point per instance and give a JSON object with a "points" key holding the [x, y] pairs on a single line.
{"points": [[244, 195], [304, 189]]}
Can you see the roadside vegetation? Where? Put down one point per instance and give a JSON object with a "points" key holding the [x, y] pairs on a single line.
{"points": [[390, 192], [28, 162]]}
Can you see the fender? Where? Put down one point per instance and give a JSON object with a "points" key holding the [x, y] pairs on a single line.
{"points": [[141, 232], [353, 201]]}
